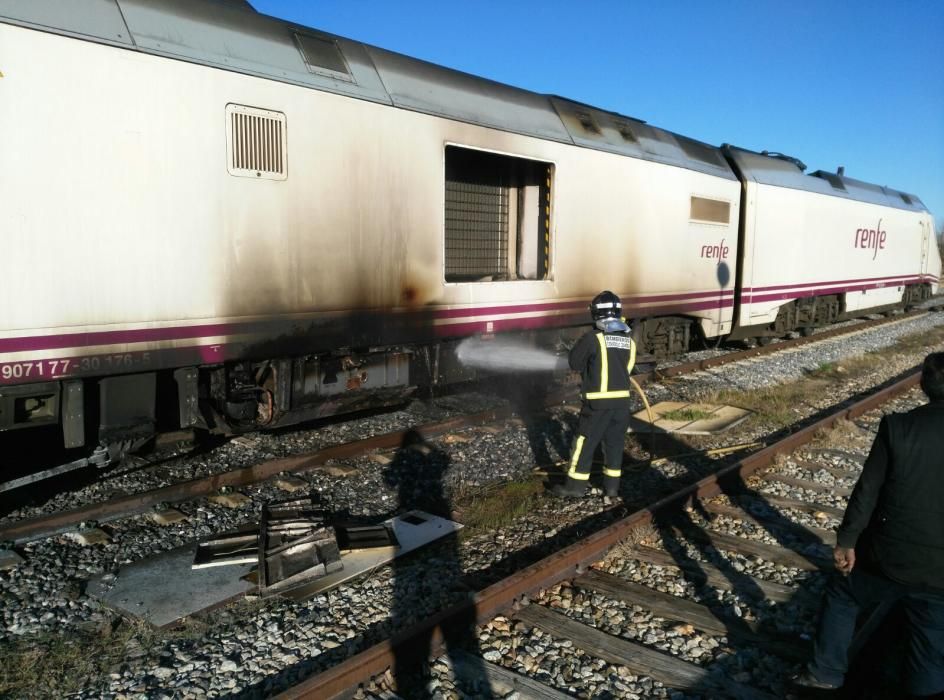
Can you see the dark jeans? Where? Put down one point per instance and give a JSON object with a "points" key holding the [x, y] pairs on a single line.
{"points": [[846, 595]]}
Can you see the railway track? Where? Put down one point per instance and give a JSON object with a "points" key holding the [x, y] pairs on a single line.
{"points": [[727, 537], [260, 651], [127, 505]]}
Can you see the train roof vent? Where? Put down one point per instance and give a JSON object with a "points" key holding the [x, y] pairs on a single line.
{"points": [[624, 130], [323, 56], [587, 122], [255, 143], [831, 178], [784, 157], [699, 151]]}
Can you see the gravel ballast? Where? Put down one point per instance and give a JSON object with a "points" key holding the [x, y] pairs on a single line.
{"points": [[252, 649]]}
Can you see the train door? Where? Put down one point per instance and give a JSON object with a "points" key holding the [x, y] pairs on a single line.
{"points": [[925, 242]]}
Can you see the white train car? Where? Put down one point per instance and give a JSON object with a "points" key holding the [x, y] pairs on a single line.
{"points": [[268, 222], [215, 218], [821, 247]]}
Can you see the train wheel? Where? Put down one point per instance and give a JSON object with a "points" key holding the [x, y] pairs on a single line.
{"points": [[806, 331], [764, 340]]}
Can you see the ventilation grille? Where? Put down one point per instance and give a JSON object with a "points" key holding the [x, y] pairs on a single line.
{"points": [[256, 142], [624, 130], [713, 210], [587, 122], [476, 232]]}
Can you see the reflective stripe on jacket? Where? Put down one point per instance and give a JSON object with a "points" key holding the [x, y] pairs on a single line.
{"points": [[604, 361]]}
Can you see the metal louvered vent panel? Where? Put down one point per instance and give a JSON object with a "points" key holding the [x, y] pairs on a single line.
{"points": [[256, 142], [476, 231], [625, 131]]}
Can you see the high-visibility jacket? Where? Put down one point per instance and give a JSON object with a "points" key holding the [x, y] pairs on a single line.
{"points": [[604, 361]]}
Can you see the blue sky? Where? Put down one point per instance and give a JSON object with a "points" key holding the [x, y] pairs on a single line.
{"points": [[854, 83]]}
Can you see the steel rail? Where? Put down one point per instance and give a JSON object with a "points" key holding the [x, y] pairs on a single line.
{"points": [[339, 681], [777, 346], [37, 528], [134, 504]]}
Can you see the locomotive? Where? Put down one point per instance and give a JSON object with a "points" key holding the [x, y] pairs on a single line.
{"points": [[213, 218]]}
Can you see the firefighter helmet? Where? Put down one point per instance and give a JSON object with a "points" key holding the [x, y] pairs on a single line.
{"points": [[606, 305]]}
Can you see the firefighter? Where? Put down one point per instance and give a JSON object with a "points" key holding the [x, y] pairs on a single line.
{"points": [[604, 357]]}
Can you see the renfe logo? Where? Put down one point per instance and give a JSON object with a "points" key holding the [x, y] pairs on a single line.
{"points": [[870, 238], [719, 250]]}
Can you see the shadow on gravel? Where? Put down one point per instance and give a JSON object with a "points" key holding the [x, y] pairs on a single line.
{"points": [[877, 667], [530, 398], [417, 472], [872, 676]]}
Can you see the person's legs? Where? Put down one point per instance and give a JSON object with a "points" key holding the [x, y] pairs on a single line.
{"points": [[925, 662], [589, 431], [844, 597], [614, 445]]}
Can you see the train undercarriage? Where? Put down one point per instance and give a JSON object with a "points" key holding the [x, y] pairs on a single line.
{"points": [[123, 413]]}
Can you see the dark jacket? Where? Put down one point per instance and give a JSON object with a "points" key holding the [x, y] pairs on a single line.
{"points": [[895, 516], [604, 361]]}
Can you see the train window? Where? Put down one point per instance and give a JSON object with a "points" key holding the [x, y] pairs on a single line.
{"points": [[905, 198], [497, 217], [323, 56], [714, 211], [255, 143]]}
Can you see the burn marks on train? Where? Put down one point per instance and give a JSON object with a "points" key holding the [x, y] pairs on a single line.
{"points": [[497, 217], [306, 368]]}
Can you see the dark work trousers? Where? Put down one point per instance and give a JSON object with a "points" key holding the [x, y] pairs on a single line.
{"points": [[845, 596], [596, 424]]}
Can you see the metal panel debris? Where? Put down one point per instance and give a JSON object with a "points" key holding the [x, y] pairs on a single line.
{"points": [[163, 589], [297, 549], [296, 542], [688, 418]]}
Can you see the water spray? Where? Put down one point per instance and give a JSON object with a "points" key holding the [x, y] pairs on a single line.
{"points": [[508, 354]]}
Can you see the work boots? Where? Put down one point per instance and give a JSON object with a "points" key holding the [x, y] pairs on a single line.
{"points": [[611, 486], [571, 488]]}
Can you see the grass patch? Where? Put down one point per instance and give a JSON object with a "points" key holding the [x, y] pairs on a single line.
{"points": [[853, 367], [687, 414], [57, 664], [498, 505], [780, 404], [643, 535], [54, 665], [842, 432], [916, 342], [827, 370]]}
